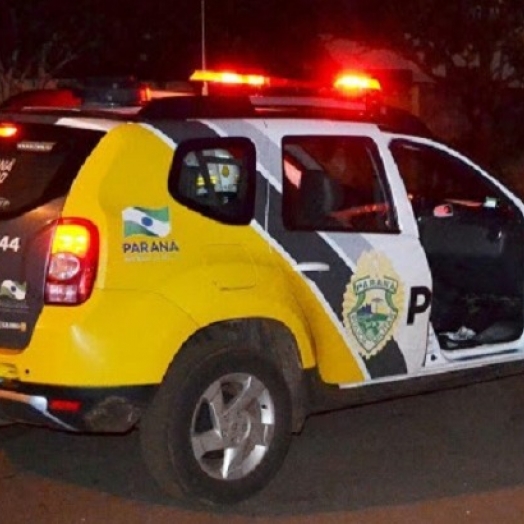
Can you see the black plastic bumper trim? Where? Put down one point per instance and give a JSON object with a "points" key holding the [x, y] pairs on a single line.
{"points": [[101, 409]]}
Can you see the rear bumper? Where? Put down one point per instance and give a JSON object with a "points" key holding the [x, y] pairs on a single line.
{"points": [[100, 410]]}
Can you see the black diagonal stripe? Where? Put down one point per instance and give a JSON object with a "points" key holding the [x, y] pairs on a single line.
{"points": [[179, 130], [305, 246]]}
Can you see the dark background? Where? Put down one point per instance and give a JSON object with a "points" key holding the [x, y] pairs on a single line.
{"points": [[472, 51]]}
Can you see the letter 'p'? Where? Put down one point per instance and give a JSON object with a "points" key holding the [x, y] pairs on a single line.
{"points": [[419, 301]]}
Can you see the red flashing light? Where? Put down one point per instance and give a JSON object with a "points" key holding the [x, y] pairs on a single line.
{"points": [[228, 77], [71, 406], [356, 82], [73, 262], [8, 130], [348, 83], [60, 97], [145, 94]]}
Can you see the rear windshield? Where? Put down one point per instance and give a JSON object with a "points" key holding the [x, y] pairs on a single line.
{"points": [[39, 163]]}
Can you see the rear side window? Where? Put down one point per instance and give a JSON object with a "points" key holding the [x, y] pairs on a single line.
{"points": [[39, 163], [216, 177], [335, 183]]}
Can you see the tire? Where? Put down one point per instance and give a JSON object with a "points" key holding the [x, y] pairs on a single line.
{"points": [[219, 427]]}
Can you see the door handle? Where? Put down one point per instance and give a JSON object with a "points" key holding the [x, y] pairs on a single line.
{"points": [[310, 267]]}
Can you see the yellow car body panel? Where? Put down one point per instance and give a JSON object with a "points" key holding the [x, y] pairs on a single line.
{"points": [[111, 340], [145, 307]]}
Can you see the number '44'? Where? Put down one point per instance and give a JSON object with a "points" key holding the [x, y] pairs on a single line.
{"points": [[10, 243]]}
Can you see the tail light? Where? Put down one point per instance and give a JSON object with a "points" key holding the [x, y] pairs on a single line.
{"points": [[8, 130], [73, 262]]}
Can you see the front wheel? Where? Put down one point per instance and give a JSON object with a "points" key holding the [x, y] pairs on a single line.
{"points": [[219, 427]]}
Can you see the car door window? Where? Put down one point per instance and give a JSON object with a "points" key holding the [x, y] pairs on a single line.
{"points": [[434, 178], [216, 177], [461, 214], [335, 184]]}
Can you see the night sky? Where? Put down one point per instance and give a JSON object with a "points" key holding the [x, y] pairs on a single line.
{"points": [[162, 40]]}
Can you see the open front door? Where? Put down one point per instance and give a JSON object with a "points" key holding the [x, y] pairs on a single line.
{"points": [[472, 231]]}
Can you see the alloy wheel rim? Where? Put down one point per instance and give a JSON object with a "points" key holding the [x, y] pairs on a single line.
{"points": [[233, 426]]}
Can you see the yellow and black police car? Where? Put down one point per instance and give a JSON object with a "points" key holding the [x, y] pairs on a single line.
{"points": [[214, 269]]}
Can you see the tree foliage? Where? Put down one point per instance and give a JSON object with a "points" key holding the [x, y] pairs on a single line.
{"points": [[39, 39], [473, 49], [46, 39]]}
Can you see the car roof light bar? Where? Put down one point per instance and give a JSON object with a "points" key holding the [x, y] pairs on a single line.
{"points": [[228, 77], [356, 82], [351, 83]]}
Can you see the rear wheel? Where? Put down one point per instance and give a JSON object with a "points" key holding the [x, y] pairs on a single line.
{"points": [[219, 427]]}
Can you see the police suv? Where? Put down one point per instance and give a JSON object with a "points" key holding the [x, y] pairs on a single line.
{"points": [[214, 269]]}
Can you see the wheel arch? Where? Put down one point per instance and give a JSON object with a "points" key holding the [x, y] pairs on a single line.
{"points": [[269, 338]]}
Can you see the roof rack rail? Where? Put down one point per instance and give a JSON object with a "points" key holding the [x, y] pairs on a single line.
{"points": [[259, 106], [190, 106]]}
